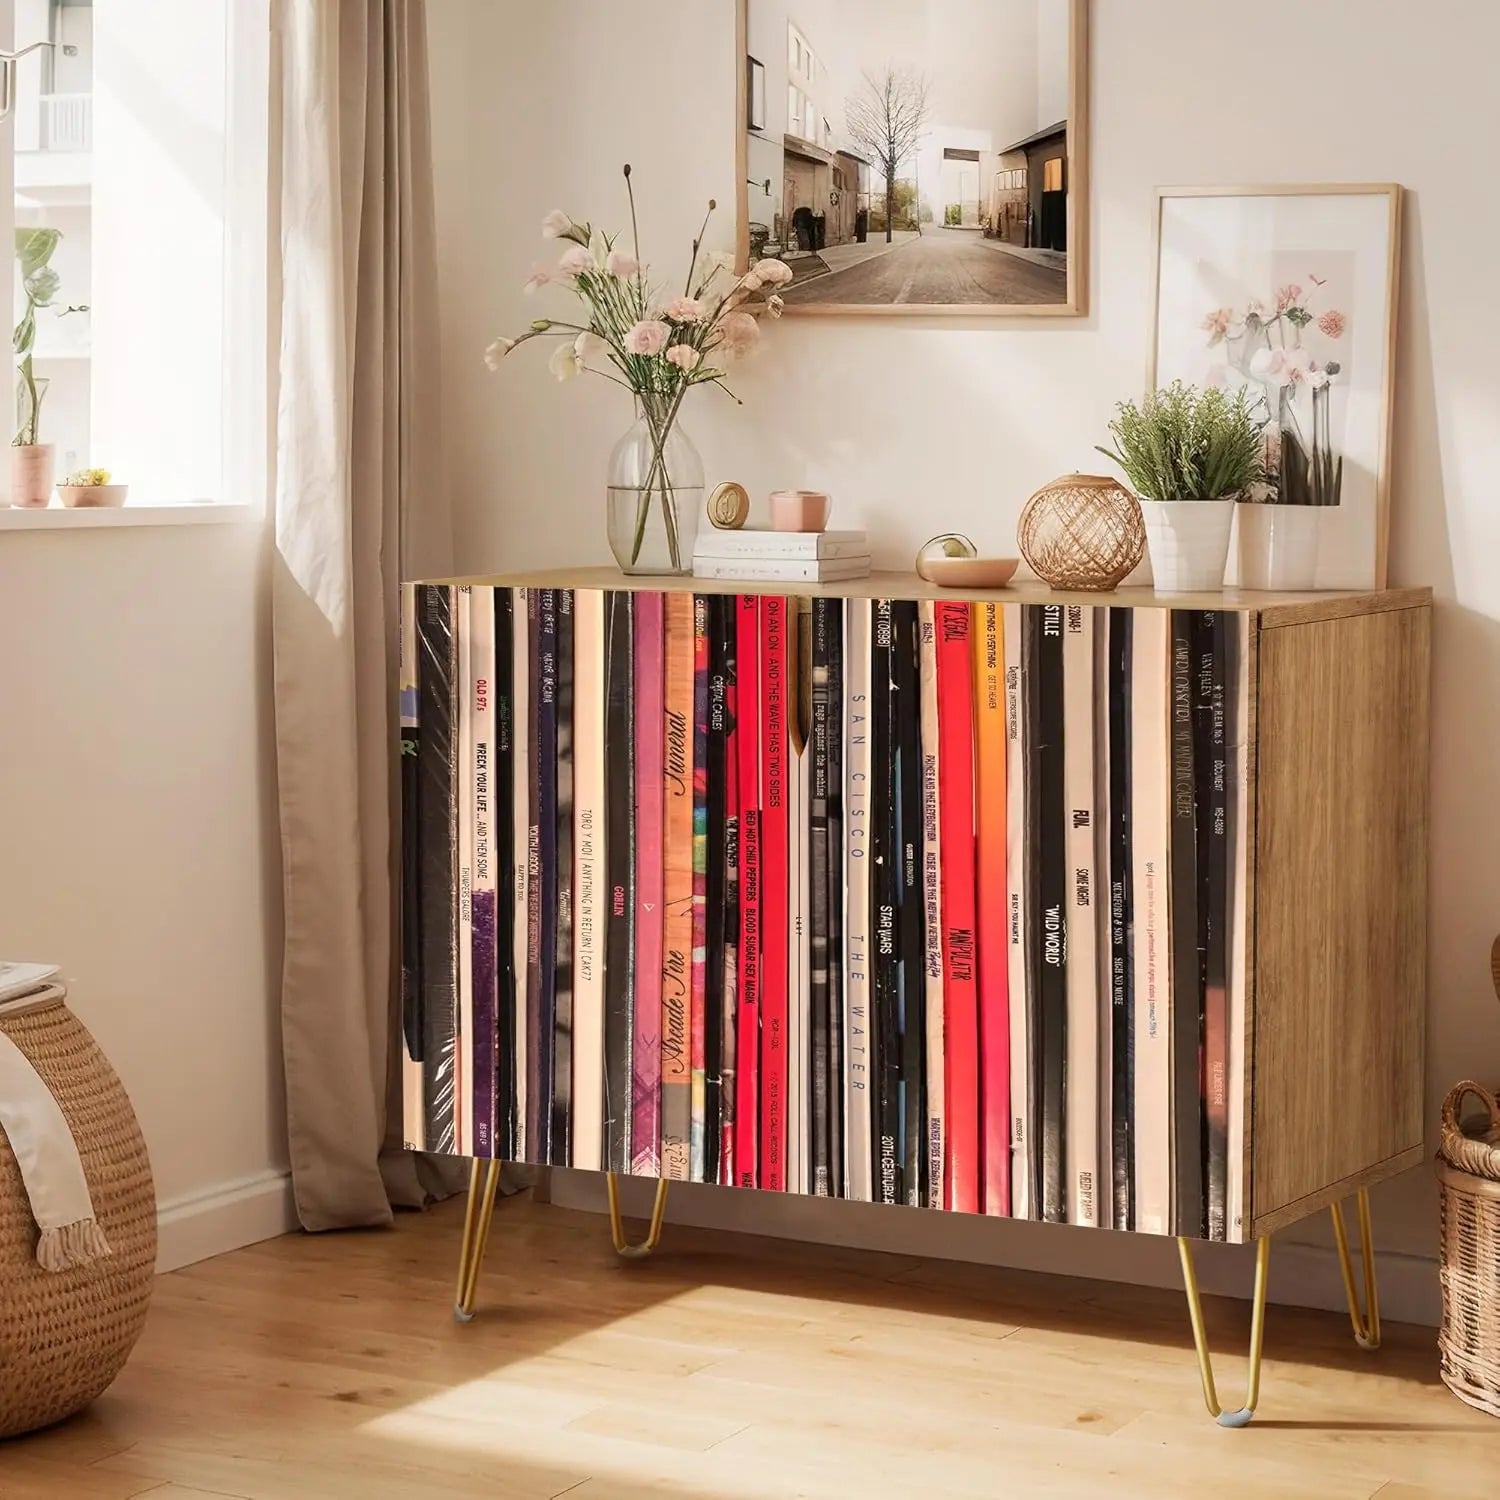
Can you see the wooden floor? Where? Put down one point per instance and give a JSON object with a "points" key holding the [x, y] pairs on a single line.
{"points": [[731, 1368]]}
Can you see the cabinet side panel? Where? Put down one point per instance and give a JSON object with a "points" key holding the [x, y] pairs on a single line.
{"points": [[1340, 903]]}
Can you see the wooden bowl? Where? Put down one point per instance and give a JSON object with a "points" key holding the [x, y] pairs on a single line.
{"points": [[968, 572]]}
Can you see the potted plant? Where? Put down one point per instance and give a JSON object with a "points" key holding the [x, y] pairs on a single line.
{"points": [[86, 488], [31, 460], [1189, 454], [658, 346]]}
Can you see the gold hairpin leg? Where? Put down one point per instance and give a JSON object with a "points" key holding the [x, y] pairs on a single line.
{"points": [[1366, 1325], [623, 1247], [1241, 1417], [484, 1179]]}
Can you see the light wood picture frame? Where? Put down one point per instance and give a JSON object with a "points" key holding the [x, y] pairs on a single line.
{"points": [[1290, 291], [998, 223]]}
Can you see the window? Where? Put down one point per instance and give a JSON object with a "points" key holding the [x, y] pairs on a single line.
{"points": [[1052, 175], [755, 94], [138, 200], [800, 61], [827, 136], [802, 119]]}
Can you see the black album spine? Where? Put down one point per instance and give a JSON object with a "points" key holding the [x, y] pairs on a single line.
{"points": [[1183, 934], [834, 1082], [1214, 653], [713, 962], [1121, 935], [437, 684], [504, 820], [1047, 827], [885, 895], [561, 934], [819, 901], [911, 970], [619, 856]]}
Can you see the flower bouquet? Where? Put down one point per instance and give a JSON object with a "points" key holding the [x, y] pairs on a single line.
{"points": [[658, 347]]}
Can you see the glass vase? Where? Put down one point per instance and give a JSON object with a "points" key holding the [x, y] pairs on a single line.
{"points": [[655, 498]]}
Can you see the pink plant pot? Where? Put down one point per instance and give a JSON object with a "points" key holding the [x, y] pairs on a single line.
{"points": [[799, 510], [31, 470]]}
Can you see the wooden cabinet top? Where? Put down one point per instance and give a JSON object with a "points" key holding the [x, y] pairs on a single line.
{"points": [[1273, 608]]}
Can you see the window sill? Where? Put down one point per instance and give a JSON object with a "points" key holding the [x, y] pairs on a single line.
{"points": [[57, 518]]}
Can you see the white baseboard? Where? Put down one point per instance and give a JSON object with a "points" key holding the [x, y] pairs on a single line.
{"points": [[224, 1217], [1302, 1275]]}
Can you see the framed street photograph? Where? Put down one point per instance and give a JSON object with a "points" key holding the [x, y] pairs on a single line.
{"points": [[1289, 293], [916, 156]]}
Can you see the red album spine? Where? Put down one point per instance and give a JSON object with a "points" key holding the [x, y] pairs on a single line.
{"points": [[747, 1049], [774, 915], [956, 811]]}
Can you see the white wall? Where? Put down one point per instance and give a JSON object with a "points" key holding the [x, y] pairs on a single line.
{"points": [[921, 426], [1052, 58], [138, 826]]}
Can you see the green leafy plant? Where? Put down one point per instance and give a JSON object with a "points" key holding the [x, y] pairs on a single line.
{"points": [[1183, 443], [40, 283]]}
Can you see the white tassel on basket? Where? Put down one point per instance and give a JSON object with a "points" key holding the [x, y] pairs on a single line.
{"points": [[51, 1170]]}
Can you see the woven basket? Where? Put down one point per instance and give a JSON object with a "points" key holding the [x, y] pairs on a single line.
{"points": [[1468, 1170], [65, 1335]]}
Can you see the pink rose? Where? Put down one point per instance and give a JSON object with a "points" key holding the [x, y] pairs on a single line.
{"points": [[1332, 323], [618, 263], [685, 310], [575, 261], [539, 277], [684, 356], [738, 334], [649, 336], [1287, 296]]}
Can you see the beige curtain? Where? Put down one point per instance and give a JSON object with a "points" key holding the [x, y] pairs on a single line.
{"points": [[358, 506]]}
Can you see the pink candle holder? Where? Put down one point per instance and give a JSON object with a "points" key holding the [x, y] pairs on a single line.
{"points": [[799, 510]]}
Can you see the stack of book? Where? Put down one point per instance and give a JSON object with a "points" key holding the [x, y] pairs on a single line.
{"points": [[794, 556]]}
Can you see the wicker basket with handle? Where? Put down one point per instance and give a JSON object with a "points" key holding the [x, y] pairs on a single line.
{"points": [[1468, 1169]]}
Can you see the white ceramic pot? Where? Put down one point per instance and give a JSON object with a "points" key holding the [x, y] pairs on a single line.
{"points": [[1189, 543], [1278, 546]]}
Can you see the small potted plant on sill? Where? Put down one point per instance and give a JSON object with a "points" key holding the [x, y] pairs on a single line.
{"points": [[1189, 454], [31, 460], [90, 488]]}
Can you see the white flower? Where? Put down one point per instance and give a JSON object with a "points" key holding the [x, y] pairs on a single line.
{"points": [[565, 363], [556, 225], [589, 346], [497, 351], [772, 272], [575, 261], [774, 305], [618, 263]]}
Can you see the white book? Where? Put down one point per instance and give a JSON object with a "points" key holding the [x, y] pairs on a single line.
{"points": [[1021, 1161], [932, 903], [781, 544], [1080, 946], [1239, 849], [588, 879], [859, 1177], [1151, 901], [463, 1040], [412, 1114], [796, 973], [749, 570], [483, 886], [520, 844], [1101, 888]]}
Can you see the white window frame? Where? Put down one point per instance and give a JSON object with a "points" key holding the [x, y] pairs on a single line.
{"points": [[246, 429]]}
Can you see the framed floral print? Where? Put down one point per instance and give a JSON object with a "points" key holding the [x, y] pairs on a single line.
{"points": [[1290, 294]]}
